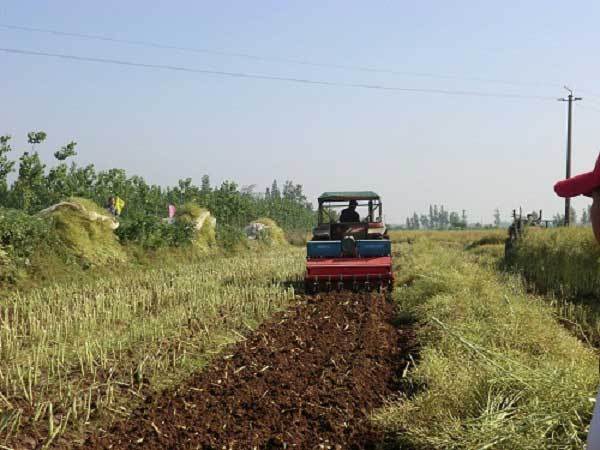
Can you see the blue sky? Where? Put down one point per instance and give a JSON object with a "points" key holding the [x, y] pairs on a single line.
{"points": [[467, 152]]}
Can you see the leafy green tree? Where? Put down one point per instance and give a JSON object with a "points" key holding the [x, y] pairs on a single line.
{"points": [[36, 137], [585, 216], [454, 219], [112, 182], [415, 221], [444, 218], [293, 192], [275, 190], [431, 217], [248, 189], [458, 221], [66, 152], [497, 219], [28, 191], [558, 220], [83, 180], [58, 181], [205, 186], [6, 167]]}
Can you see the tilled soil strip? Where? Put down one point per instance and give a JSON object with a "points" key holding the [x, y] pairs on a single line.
{"points": [[306, 379]]}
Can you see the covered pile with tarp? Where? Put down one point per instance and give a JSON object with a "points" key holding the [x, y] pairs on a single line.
{"points": [[203, 223], [265, 230], [86, 230]]}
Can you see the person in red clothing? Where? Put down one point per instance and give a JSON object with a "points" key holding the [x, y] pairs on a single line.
{"points": [[587, 184]]}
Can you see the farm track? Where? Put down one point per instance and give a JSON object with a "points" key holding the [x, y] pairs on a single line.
{"points": [[305, 379]]}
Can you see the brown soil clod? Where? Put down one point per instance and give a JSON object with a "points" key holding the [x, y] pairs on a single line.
{"points": [[306, 379]]}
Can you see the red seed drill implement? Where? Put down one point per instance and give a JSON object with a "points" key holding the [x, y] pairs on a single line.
{"points": [[348, 251]]}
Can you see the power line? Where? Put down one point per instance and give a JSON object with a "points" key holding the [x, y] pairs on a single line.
{"points": [[590, 107], [589, 93], [275, 58], [593, 102], [269, 77]]}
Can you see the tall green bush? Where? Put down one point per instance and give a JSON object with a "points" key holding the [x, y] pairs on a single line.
{"points": [[21, 236]]}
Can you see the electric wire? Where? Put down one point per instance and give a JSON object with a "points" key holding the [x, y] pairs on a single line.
{"points": [[590, 107], [276, 59], [270, 77], [588, 93], [592, 102]]}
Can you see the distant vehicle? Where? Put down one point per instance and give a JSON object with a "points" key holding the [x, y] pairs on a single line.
{"points": [[345, 254], [517, 228]]}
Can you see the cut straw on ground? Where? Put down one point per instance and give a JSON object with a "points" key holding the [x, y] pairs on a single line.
{"points": [[74, 354], [496, 369]]}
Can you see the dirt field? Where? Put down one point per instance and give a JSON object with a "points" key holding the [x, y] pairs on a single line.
{"points": [[306, 379]]}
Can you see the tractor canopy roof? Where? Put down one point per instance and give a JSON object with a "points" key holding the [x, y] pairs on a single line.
{"points": [[348, 195]]}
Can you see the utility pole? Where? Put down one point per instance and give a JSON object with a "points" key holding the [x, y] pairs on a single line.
{"points": [[569, 99]]}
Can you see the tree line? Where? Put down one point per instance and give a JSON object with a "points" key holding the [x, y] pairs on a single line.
{"points": [[584, 219], [438, 218], [37, 186]]}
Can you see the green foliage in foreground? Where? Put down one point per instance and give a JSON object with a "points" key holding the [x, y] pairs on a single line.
{"points": [[20, 237], [496, 370], [562, 260], [152, 232]]}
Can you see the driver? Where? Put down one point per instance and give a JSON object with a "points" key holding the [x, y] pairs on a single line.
{"points": [[349, 214]]}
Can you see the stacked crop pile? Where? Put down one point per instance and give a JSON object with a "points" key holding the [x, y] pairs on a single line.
{"points": [[266, 231], [86, 230], [202, 222]]}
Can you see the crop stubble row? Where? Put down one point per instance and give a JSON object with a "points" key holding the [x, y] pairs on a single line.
{"points": [[307, 378]]}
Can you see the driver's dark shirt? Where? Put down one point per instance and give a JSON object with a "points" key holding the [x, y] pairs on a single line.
{"points": [[349, 215]]}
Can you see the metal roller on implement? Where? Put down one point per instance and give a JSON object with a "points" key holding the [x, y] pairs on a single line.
{"points": [[347, 252]]}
